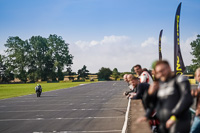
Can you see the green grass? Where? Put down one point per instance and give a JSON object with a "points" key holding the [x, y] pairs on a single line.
{"points": [[14, 90]]}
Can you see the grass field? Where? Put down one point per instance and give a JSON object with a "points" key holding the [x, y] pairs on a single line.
{"points": [[14, 90]]}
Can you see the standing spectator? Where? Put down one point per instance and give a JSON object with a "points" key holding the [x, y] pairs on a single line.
{"points": [[171, 99], [144, 76], [196, 93]]}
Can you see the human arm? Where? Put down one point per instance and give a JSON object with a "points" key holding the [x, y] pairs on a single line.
{"points": [[141, 88], [186, 99]]}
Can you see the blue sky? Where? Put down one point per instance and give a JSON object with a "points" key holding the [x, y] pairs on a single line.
{"points": [[104, 33]]}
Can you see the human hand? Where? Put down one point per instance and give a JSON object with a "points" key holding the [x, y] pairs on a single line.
{"points": [[169, 123], [141, 119], [153, 87], [125, 93]]}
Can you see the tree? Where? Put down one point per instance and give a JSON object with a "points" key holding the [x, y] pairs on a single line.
{"points": [[83, 72], [69, 71], [196, 53], [2, 68], [104, 73], [60, 54], [17, 56], [115, 74], [190, 69], [132, 70], [39, 57], [5, 73]]}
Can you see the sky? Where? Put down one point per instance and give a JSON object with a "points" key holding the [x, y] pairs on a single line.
{"points": [[105, 33]]}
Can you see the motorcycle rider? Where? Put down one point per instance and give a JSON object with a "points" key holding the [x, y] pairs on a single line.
{"points": [[38, 90]]}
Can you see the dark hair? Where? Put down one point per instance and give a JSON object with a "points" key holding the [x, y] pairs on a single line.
{"points": [[137, 66], [162, 62], [145, 69]]}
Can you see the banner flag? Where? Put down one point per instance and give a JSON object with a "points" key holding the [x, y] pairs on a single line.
{"points": [[159, 48], [179, 67]]}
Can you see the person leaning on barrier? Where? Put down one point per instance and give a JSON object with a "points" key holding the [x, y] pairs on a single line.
{"points": [[140, 87], [144, 76], [171, 98], [196, 93], [132, 88], [125, 78]]}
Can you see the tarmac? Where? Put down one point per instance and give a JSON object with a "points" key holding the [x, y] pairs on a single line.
{"points": [[92, 108]]}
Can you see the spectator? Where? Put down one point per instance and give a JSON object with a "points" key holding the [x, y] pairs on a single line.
{"points": [[140, 87], [131, 87], [196, 93], [125, 78], [171, 98], [144, 76]]}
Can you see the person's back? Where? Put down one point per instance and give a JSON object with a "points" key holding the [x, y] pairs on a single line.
{"points": [[38, 90]]}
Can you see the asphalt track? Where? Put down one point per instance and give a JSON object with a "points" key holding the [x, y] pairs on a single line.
{"points": [[97, 107]]}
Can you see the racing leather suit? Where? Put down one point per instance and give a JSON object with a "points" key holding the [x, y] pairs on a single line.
{"points": [[172, 98], [145, 77]]}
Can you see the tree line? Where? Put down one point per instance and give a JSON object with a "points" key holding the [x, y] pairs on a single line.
{"points": [[195, 45], [49, 59], [35, 58]]}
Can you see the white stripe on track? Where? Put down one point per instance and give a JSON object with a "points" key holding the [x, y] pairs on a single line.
{"points": [[104, 131], [126, 117], [59, 110], [41, 119]]}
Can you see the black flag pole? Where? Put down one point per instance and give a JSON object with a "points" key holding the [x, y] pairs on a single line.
{"points": [[179, 67], [159, 46]]}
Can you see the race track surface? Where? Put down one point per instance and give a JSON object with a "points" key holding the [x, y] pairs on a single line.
{"points": [[97, 107]]}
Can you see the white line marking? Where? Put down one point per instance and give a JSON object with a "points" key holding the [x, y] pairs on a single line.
{"points": [[4, 106], [119, 117], [61, 110], [39, 118], [104, 131], [126, 117], [59, 100]]}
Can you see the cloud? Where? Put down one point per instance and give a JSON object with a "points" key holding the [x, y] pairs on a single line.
{"points": [[123, 53], [112, 51], [107, 40], [149, 41], [114, 39], [186, 49]]}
